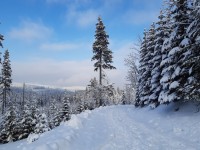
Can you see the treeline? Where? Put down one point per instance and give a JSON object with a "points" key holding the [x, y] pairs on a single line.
{"points": [[169, 68], [32, 112]]}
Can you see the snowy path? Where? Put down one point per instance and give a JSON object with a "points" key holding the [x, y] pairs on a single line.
{"points": [[122, 128]]}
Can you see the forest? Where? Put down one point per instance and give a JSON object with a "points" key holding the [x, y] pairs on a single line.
{"points": [[168, 72]]}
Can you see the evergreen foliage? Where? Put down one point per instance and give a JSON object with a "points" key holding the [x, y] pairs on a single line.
{"points": [[27, 124], [192, 63], [169, 57], [9, 125], [1, 39], [64, 114], [6, 79], [156, 61], [81, 107], [102, 55], [142, 69], [42, 125]]}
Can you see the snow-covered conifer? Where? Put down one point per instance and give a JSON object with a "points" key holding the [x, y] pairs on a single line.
{"points": [[64, 113], [150, 60], [102, 54], [81, 107], [142, 68], [1, 39], [192, 61], [146, 64], [9, 125], [6, 78], [52, 113], [42, 125], [176, 73], [27, 123], [156, 61]]}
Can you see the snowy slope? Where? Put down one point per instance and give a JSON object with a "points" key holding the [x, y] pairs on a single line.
{"points": [[122, 128]]}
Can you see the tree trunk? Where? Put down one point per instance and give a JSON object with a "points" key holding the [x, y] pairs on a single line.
{"points": [[100, 79], [100, 70]]}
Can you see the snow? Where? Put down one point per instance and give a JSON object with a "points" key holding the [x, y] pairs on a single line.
{"points": [[122, 128], [173, 51], [184, 42]]}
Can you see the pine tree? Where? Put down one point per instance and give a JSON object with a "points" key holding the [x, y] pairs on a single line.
{"points": [[149, 96], [177, 73], [53, 110], [156, 60], [6, 78], [42, 125], [165, 76], [65, 110], [192, 63], [27, 123], [102, 55], [81, 107], [146, 53], [1, 39], [9, 125], [142, 68], [64, 113]]}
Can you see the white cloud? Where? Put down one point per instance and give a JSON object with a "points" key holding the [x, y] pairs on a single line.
{"points": [[59, 46], [52, 72], [140, 17], [30, 31], [72, 74], [82, 18]]}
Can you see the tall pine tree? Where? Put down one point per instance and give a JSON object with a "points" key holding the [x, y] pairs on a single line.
{"points": [[142, 69], [102, 55], [165, 76], [192, 63], [177, 72], [6, 78], [150, 97]]}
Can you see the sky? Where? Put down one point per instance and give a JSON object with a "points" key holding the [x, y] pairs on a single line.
{"points": [[50, 41]]}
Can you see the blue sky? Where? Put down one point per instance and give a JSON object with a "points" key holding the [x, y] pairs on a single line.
{"points": [[50, 41]]}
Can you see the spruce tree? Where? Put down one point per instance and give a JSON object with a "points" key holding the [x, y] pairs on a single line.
{"points": [[165, 76], [9, 125], [150, 59], [53, 110], [64, 113], [192, 63], [65, 110], [142, 69], [177, 72], [42, 125], [27, 123], [80, 107], [156, 60], [1, 39], [6, 78], [102, 54]]}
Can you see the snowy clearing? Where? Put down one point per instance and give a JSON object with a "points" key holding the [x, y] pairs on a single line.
{"points": [[122, 128]]}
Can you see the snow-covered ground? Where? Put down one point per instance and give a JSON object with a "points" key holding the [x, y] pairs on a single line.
{"points": [[122, 128]]}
